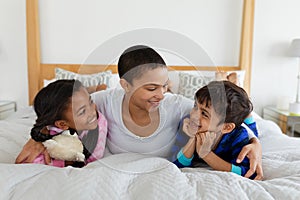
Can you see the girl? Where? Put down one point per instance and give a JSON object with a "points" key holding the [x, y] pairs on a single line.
{"points": [[66, 105]]}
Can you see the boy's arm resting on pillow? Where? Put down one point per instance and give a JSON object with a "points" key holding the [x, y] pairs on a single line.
{"points": [[204, 145], [185, 144], [218, 163], [186, 154]]}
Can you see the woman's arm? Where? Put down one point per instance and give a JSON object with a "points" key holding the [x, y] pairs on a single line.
{"points": [[30, 151], [96, 88], [254, 153]]}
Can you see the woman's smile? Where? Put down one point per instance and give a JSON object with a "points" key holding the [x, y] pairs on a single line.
{"points": [[154, 103]]}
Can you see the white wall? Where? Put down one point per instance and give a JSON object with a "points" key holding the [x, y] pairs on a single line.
{"points": [[273, 74], [72, 29], [13, 60]]}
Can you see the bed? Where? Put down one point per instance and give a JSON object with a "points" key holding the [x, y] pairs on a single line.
{"points": [[135, 176]]}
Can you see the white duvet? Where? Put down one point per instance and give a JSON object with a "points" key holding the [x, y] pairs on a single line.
{"points": [[134, 176]]}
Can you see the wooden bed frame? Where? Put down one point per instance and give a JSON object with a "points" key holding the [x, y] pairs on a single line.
{"points": [[38, 71]]}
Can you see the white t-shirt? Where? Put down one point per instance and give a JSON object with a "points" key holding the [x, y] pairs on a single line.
{"points": [[120, 140]]}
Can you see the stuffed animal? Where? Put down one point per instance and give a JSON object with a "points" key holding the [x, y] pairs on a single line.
{"points": [[232, 77], [65, 147]]}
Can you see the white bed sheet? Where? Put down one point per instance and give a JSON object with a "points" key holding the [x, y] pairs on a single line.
{"points": [[134, 176]]}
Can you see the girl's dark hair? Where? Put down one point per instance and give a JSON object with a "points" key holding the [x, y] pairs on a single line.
{"points": [[136, 60], [51, 101], [230, 102], [50, 104]]}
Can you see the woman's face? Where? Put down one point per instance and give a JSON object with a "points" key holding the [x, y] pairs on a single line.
{"points": [[147, 91], [81, 112]]}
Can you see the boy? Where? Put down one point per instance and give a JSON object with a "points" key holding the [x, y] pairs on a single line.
{"points": [[217, 128]]}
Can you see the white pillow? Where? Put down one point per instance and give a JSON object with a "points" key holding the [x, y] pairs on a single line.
{"points": [[114, 82], [47, 82], [86, 79]]}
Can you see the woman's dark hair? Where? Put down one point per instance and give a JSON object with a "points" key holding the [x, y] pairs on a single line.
{"points": [[135, 60], [230, 102], [50, 104]]}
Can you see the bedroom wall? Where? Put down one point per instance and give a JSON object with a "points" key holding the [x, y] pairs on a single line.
{"points": [[13, 61], [273, 75], [214, 25]]}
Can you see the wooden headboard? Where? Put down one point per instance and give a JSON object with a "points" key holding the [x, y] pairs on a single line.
{"points": [[38, 71]]}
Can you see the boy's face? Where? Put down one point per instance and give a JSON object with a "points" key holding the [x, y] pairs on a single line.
{"points": [[203, 119]]}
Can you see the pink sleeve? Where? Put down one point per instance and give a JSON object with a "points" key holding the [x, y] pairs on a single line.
{"points": [[100, 147], [41, 160], [58, 163]]}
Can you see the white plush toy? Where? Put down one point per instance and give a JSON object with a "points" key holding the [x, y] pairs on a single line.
{"points": [[65, 147]]}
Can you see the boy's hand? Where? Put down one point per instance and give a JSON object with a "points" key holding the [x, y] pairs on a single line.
{"points": [[204, 143], [189, 131]]}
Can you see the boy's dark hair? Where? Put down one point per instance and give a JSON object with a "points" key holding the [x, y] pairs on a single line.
{"points": [[136, 60], [50, 104], [230, 102]]}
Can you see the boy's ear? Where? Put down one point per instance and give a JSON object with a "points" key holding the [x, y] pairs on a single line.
{"points": [[228, 127], [62, 124]]}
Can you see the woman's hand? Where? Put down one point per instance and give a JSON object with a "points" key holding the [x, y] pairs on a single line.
{"points": [[254, 153], [204, 143], [30, 151]]}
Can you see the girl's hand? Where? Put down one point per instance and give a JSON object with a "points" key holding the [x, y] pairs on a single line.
{"points": [[254, 153], [204, 143], [30, 151], [189, 131]]}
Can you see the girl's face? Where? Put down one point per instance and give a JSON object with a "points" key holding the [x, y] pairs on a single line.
{"points": [[203, 119], [81, 112], [148, 90]]}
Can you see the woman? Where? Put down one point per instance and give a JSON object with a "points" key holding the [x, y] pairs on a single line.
{"points": [[141, 117]]}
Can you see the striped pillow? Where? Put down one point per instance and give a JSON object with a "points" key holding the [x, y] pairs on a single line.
{"points": [[86, 79]]}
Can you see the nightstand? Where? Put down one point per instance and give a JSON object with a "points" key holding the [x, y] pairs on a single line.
{"points": [[289, 124], [7, 108]]}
